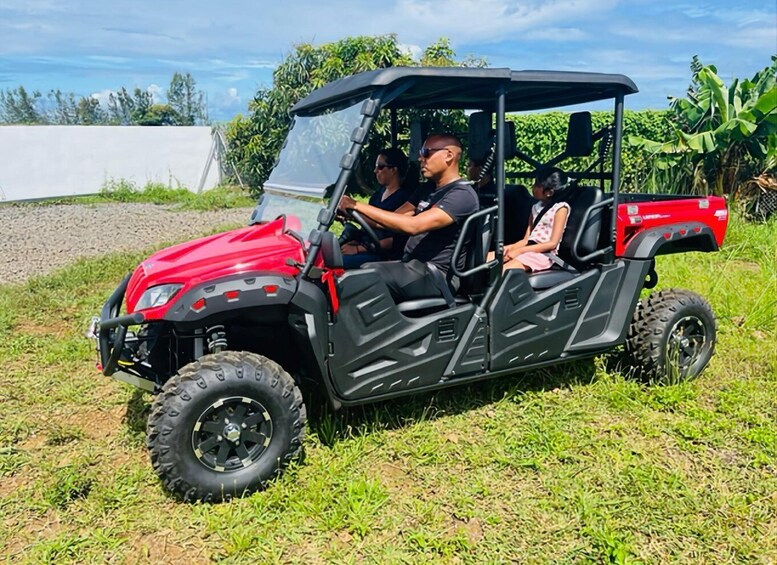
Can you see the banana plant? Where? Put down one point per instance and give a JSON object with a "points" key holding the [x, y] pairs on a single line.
{"points": [[720, 134]]}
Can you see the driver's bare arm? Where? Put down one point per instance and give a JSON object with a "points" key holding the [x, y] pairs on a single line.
{"points": [[429, 220], [407, 209]]}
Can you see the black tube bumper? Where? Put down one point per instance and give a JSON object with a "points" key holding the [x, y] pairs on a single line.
{"points": [[111, 330]]}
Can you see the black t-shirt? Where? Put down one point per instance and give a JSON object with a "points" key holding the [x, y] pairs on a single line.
{"points": [[391, 203], [459, 201], [486, 194], [422, 192]]}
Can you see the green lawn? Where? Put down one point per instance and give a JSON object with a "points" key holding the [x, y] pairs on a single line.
{"points": [[155, 193], [574, 464]]}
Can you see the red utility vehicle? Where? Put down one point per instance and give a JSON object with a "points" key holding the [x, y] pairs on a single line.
{"points": [[229, 329]]}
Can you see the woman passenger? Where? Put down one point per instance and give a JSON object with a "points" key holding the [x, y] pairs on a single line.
{"points": [[390, 170]]}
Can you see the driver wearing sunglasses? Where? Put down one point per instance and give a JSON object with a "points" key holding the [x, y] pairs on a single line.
{"points": [[433, 224]]}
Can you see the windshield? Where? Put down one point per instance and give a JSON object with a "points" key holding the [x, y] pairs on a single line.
{"points": [[301, 213], [310, 159]]}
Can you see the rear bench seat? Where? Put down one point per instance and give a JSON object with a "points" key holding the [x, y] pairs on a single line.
{"points": [[580, 199]]}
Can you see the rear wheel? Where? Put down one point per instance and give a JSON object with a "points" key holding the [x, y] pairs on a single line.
{"points": [[672, 336], [224, 426]]}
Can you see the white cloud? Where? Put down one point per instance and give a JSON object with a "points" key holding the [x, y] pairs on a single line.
{"points": [[753, 37], [84, 46], [108, 59], [490, 21], [102, 97], [226, 103], [412, 51], [157, 93], [556, 34]]}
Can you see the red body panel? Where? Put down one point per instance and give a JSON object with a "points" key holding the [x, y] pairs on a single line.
{"points": [[636, 217], [264, 248]]}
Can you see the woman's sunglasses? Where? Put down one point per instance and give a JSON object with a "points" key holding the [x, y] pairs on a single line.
{"points": [[381, 166]]}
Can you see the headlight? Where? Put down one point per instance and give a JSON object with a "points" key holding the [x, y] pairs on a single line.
{"points": [[157, 296]]}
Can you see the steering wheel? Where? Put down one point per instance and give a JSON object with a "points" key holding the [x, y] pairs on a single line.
{"points": [[372, 242]]}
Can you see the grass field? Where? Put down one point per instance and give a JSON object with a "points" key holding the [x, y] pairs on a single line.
{"points": [[155, 193], [574, 464]]}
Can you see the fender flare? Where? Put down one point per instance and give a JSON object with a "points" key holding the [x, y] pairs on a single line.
{"points": [[673, 238], [309, 321], [247, 290]]}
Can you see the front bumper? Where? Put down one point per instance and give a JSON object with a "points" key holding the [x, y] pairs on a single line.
{"points": [[109, 332]]}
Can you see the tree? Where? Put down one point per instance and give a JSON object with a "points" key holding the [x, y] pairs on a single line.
{"points": [[121, 105], [142, 101], [158, 115], [186, 101], [185, 107], [62, 108], [722, 135], [255, 140], [89, 112], [17, 106]]}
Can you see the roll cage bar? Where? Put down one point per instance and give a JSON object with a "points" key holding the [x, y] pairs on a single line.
{"points": [[494, 90]]}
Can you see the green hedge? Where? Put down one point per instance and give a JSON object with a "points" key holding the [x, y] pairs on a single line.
{"points": [[543, 136]]}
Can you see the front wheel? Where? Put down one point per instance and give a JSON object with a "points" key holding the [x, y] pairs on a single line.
{"points": [[672, 336], [224, 426]]}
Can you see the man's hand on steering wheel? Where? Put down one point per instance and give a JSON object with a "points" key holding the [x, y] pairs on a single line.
{"points": [[347, 206]]}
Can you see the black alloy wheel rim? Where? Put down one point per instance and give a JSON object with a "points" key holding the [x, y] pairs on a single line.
{"points": [[687, 340], [231, 434]]}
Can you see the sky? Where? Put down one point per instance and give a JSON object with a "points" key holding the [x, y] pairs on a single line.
{"points": [[231, 47]]}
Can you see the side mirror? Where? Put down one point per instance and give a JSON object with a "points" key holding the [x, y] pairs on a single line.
{"points": [[580, 141]]}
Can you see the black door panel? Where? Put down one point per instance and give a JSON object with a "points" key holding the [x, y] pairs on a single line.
{"points": [[376, 350], [529, 326]]}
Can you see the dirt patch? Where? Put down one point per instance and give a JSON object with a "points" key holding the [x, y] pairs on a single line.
{"points": [[40, 239], [9, 485], [163, 547], [58, 329], [36, 527]]}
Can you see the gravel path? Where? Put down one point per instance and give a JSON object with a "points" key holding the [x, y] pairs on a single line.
{"points": [[35, 240]]}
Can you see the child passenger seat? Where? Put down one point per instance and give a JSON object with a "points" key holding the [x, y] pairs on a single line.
{"points": [[583, 228]]}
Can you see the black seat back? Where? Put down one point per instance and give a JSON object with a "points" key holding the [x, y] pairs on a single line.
{"points": [[331, 255], [517, 211], [479, 233], [580, 199], [478, 237]]}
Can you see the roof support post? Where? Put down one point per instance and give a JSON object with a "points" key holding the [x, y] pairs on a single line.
{"points": [[394, 128], [616, 161], [499, 169]]}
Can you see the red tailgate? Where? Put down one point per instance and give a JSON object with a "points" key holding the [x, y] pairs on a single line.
{"points": [[636, 217]]}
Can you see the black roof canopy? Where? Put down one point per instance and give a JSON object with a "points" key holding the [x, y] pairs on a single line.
{"points": [[469, 88]]}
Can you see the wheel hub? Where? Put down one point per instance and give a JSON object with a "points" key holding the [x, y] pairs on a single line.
{"points": [[687, 340], [232, 434]]}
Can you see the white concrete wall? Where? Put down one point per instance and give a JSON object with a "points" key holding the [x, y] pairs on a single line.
{"points": [[52, 161]]}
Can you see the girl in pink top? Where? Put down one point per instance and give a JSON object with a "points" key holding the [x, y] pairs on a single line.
{"points": [[543, 236]]}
